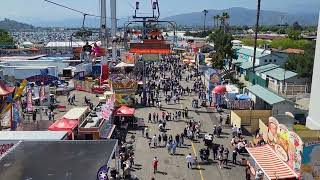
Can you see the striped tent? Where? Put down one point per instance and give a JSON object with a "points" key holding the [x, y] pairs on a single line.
{"points": [[269, 162]]}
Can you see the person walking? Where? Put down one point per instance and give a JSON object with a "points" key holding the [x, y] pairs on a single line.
{"points": [[177, 139], [154, 117], [155, 165], [174, 147], [225, 156], [149, 119], [157, 117], [169, 147], [248, 173], [220, 160], [159, 139], [181, 141], [189, 160], [234, 156], [147, 132], [165, 138], [154, 140]]}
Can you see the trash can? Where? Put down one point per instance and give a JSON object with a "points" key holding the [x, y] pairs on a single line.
{"points": [[244, 162]]}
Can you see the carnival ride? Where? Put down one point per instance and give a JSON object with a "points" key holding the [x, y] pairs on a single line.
{"points": [[148, 41]]}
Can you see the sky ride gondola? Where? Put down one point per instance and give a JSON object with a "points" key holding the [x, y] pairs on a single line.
{"points": [[149, 39]]}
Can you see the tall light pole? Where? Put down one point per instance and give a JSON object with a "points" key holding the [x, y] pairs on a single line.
{"points": [[256, 38], [103, 23], [113, 6]]}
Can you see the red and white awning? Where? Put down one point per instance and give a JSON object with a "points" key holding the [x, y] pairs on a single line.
{"points": [[269, 162]]}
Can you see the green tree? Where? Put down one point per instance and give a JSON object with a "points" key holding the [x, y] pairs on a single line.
{"points": [[294, 34], [223, 48], [302, 63], [296, 26], [5, 38]]}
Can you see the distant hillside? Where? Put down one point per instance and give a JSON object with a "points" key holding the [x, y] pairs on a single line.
{"points": [[11, 25], [243, 16]]}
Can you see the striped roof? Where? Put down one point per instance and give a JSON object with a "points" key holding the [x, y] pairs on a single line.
{"points": [[269, 162]]}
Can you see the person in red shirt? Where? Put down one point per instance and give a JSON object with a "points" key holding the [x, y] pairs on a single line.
{"points": [[155, 165]]}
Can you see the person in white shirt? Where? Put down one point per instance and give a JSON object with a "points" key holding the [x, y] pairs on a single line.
{"points": [[234, 130], [189, 160]]}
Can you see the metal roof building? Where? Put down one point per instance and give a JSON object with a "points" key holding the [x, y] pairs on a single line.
{"points": [[52, 160], [32, 135]]}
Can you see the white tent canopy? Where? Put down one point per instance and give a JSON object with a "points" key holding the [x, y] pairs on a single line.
{"points": [[122, 64]]}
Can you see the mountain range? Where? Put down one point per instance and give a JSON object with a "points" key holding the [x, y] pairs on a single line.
{"points": [[238, 16], [243, 16], [12, 25]]}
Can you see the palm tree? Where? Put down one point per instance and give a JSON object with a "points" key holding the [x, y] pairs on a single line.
{"points": [[205, 12], [215, 20], [225, 18], [218, 19]]}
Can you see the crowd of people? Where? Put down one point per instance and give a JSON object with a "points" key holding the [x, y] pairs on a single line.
{"points": [[164, 82]]}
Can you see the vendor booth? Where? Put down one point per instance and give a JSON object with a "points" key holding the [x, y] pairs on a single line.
{"points": [[281, 157], [124, 89], [218, 94], [98, 124], [64, 124], [124, 117]]}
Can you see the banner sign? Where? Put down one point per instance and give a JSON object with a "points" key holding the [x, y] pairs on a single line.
{"points": [[29, 100], [287, 144], [6, 118]]}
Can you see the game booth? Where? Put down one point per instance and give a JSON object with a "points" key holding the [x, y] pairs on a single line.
{"points": [[234, 100], [218, 95], [280, 157], [124, 89]]}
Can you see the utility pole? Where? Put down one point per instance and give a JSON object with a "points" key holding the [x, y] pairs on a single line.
{"points": [[256, 38], [113, 6]]}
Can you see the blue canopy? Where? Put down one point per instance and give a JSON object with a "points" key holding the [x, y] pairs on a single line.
{"points": [[242, 97]]}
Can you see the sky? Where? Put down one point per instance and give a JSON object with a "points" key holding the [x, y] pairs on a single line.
{"points": [[39, 10]]}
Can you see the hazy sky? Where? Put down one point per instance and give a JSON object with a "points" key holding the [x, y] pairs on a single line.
{"points": [[33, 10]]}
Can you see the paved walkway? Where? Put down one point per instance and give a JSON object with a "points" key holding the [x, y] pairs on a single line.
{"points": [[175, 167]]}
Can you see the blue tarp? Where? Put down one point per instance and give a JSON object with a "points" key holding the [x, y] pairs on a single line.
{"points": [[242, 97]]}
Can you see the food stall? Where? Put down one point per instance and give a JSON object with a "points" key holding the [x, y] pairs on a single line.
{"points": [[217, 94], [98, 124], [64, 124], [124, 117], [124, 89]]}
